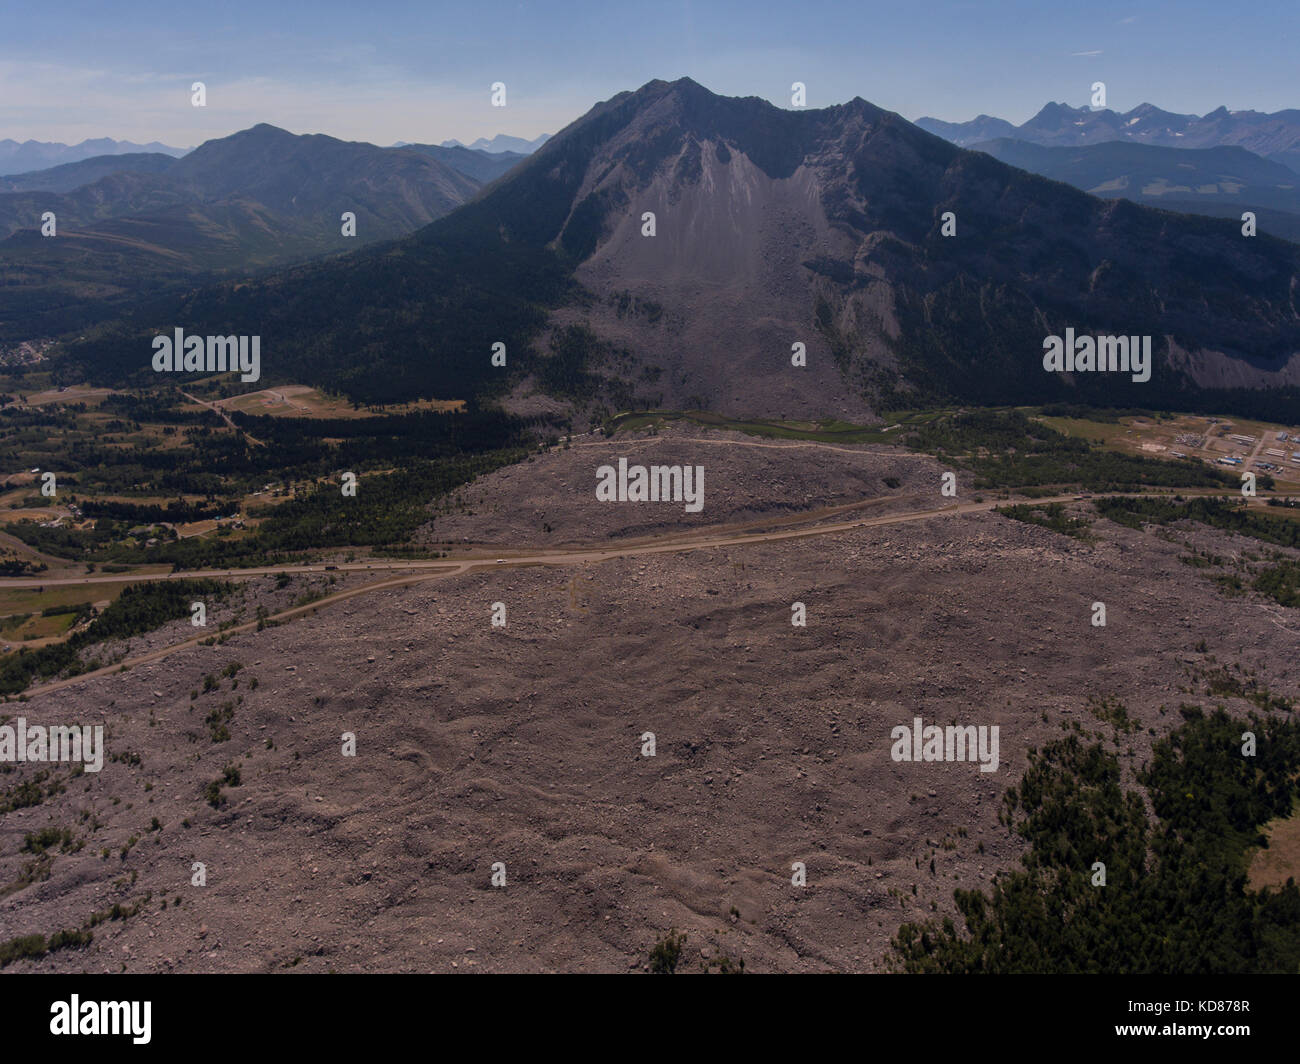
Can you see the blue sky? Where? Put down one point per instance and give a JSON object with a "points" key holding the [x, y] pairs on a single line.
{"points": [[382, 71]]}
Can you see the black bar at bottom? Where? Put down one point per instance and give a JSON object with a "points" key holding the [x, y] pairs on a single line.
{"points": [[338, 1013]]}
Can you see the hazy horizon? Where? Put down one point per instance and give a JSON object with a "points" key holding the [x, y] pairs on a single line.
{"points": [[467, 140], [126, 73]]}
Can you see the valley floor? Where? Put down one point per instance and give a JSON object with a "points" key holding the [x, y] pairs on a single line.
{"points": [[523, 744]]}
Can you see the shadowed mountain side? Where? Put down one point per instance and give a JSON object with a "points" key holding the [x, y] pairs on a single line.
{"points": [[255, 199], [771, 227], [68, 176]]}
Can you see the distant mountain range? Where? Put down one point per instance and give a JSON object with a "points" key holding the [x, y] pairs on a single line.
{"points": [[481, 165], [772, 228], [17, 158], [1219, 164], [1222, 182], [500, 143], [1275, 137], [147, 222]]}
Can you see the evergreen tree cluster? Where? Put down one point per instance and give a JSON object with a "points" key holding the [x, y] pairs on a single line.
{"points": [[1175, 899]]}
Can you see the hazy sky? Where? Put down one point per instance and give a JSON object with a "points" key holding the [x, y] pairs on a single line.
{"points": [[386, 71]]}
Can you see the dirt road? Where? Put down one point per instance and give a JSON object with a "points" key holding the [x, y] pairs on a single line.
{"points": [[224, 417], [429, 570]]}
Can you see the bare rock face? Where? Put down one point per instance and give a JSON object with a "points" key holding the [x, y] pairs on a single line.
{"points": [[671, 247], [716, 233], [726, 243]]}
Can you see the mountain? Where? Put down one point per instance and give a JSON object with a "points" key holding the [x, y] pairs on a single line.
{"points": [[981, 128], [501, 143], [306, 176], [68, 176], [1275, 137], [18, 158], [305, 182], [254, 199], [773, 227], [1219, 181], [482, 166], [1060, 124], [113, 196]]}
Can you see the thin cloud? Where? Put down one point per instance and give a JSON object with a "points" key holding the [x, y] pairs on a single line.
{"points": [[1097, 52]]}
